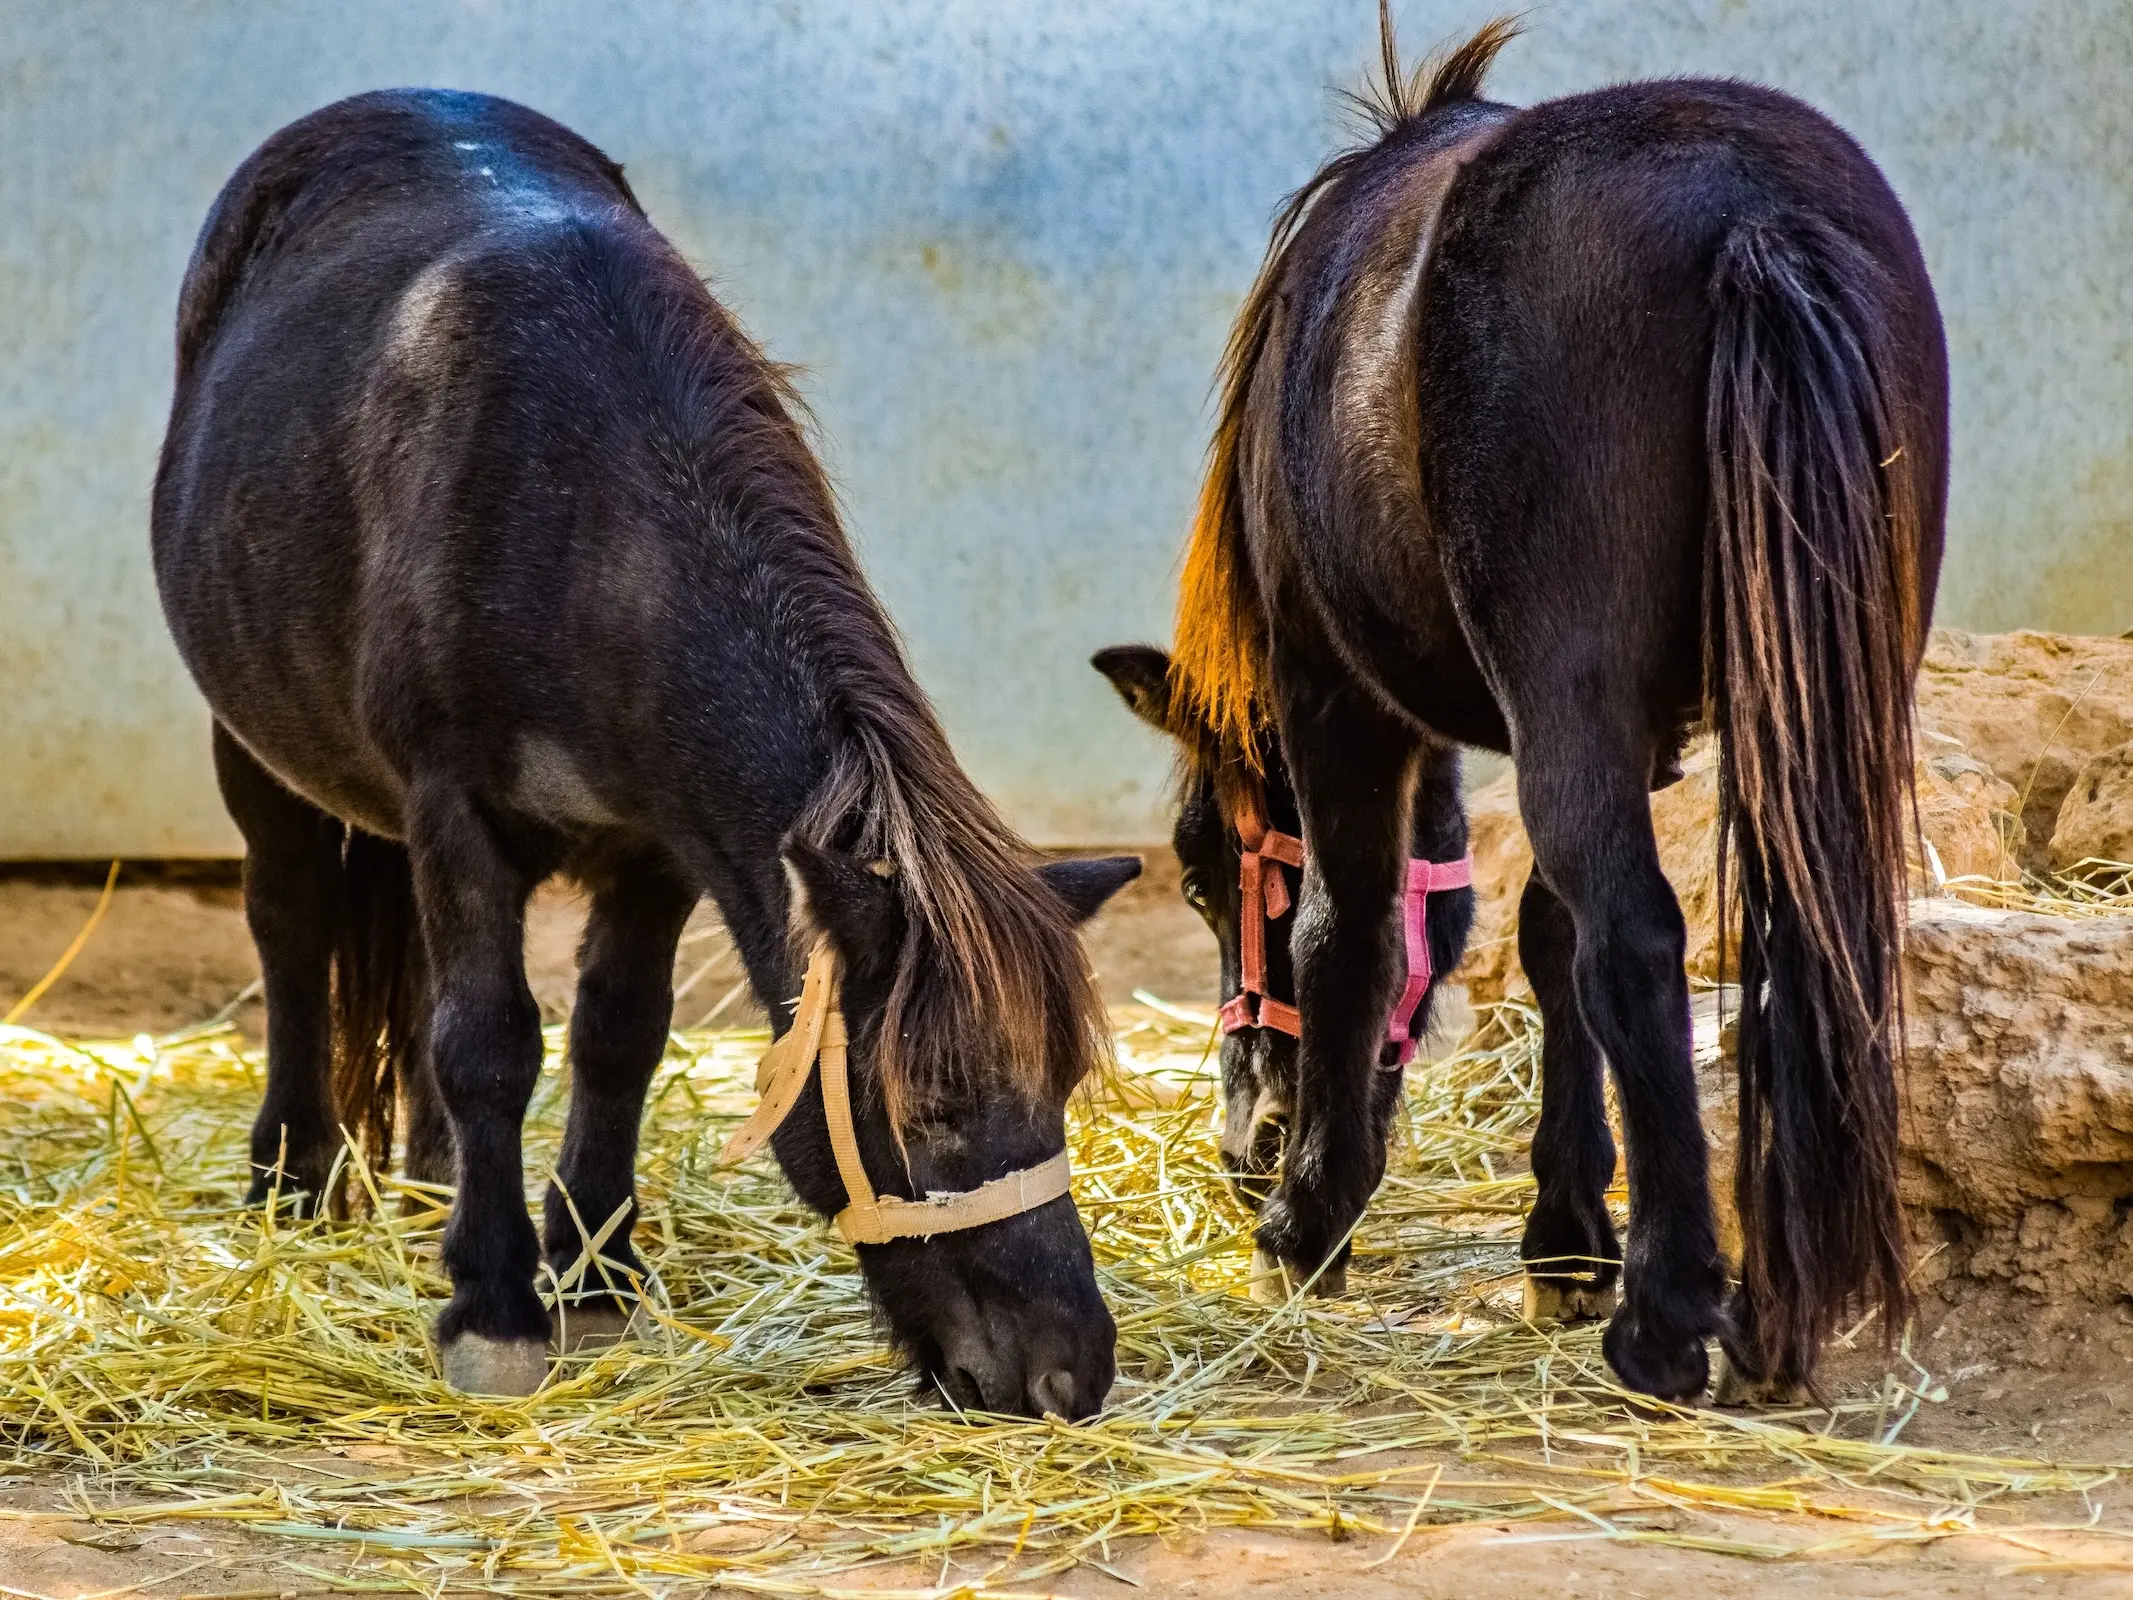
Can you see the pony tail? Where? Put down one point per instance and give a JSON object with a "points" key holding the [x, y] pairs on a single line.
{"points": [[377, 995], [1812, 634], [1218, 662]]}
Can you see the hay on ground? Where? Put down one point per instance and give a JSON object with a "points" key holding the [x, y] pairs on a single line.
{"points": [[197, 1361]]}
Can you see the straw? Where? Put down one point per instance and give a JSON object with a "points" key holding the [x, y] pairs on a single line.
{"points": [[20, 1008], [2090, 888], [193, 1361]]}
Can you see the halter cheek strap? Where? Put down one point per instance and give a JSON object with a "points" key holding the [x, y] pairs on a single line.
{"points": [[818, 1033], [1423, 878], [1264, 898]]}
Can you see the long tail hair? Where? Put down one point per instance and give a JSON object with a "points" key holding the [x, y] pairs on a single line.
{"points": [[1812, 630], [377, 988]]}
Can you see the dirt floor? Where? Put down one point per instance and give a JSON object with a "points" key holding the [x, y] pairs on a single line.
{"points": [[172, 949], [45, 1552], [2022, 1377]]}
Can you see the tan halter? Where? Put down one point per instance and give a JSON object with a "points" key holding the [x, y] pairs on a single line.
{"points": [[818, 1033]]}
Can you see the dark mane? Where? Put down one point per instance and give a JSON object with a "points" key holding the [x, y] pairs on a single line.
{"points": [[1219, 712], [989, 951], [1447, 78]]}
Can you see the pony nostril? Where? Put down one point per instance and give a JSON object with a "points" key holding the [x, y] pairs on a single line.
{"points": [[961, 1386], [1052, 1394], [1269, 1136]]}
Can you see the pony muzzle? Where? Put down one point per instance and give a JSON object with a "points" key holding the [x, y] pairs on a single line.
{"points": [[1000, 1306]]}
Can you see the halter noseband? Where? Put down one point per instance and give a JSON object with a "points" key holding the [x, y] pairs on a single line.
{"points": [[1264, 898], [818, 1032]]}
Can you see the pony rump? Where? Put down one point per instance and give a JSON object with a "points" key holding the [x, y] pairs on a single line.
{"points": [[1219, 675]]}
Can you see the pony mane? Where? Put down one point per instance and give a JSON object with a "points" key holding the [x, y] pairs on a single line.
{"points": [[1219, 710], [1450, 77], [990, 954]]}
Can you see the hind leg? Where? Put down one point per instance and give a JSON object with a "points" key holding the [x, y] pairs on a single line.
{"points": [[485, 1049], [1583, 797], [430, 1157], [618, 1032], [1571, 1257], [292, 903]]}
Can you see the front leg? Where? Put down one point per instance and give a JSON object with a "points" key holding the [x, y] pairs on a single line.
{"points": [[1351, 766], [618, 1032], [485, 1049]]}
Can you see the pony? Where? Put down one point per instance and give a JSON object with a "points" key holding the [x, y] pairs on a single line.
{"points": [[1563, 431], [498, 552]]}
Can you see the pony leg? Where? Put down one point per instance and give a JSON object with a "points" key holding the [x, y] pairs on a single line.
{"points": [[429, 1157], [1585, 808], [485, 1049], [292, 904], [1351, 767], [618, 1032], [1572, 1260], [1439, 833]]}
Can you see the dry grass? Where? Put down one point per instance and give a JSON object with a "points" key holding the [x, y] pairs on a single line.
{"points": [[2091, 888], [194, 1361]]}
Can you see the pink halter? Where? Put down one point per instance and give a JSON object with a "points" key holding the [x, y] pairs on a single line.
{"points": [[1265, 898]]}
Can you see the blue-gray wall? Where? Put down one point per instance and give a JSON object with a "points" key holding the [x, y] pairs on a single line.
{"points": [[1004, 241]]}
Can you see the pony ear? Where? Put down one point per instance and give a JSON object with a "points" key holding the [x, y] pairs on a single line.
{"points": [[1086, 885], [1141, 675], [853, 902]]}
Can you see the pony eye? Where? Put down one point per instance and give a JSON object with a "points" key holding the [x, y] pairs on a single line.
{"points": [[1195, 895]]}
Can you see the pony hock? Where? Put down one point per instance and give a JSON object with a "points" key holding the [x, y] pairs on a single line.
{"points": [[1557, 431], [497, 552]]}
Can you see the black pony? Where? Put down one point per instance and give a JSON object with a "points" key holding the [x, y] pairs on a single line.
{"points": [[497, 552], [1559, 431]]}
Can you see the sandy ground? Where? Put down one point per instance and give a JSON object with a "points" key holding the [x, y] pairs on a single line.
{"points": [[48, 1553], [2024, 1378], [173, 949]]}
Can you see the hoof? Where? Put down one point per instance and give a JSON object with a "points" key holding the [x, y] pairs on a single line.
{"points": [[511, 1368], [1737, 1388], [1274, 1280], [1566, 1300], [591, 1329], [1667, 1368], [292, 1199]]}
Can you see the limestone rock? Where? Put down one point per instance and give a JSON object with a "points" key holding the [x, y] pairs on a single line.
{"points": [[2018, 1109], [2095, 821], [2036, 708], [1965, 808], [2017, 1103], [1497, 840]]}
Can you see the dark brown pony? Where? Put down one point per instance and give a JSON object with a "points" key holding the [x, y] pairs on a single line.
{"points": [[1560, 431], [498, 552]]}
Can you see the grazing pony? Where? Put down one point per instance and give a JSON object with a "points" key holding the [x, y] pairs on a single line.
{"points": [[1558, 431], [495, 547]]}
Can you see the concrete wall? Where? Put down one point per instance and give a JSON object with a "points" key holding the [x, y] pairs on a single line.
{"points": [[1004, 240]]}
